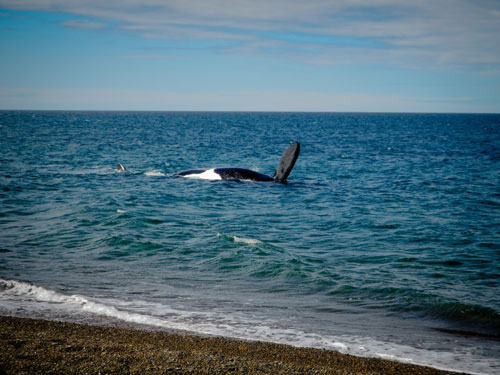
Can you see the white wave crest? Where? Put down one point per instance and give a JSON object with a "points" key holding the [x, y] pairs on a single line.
{"points": [[248, 241], [154, 173], [25, 292]]}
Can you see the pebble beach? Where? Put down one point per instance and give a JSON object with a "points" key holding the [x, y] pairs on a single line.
{"points": [[31, 346]]}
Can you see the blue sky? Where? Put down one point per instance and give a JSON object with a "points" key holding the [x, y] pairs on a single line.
{"points": [[271, 55]]}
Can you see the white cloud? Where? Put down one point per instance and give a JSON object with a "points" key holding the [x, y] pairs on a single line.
{"points": [[441, 33]]}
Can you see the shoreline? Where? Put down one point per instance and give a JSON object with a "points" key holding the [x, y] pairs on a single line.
{"points": [[52, 347]]}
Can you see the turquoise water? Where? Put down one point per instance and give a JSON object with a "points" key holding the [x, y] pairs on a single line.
{"points": [[384, 243]]}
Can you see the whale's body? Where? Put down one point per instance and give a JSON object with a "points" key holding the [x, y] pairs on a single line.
{"points": [[285, 166], [225, 174]]}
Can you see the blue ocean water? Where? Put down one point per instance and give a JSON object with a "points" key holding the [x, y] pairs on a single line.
{"points": [[385, 242]]}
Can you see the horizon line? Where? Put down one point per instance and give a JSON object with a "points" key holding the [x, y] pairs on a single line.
{"points": [[245, 111]]}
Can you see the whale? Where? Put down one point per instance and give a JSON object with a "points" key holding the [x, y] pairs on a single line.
{"points": [[120, 168], [285, 166]]}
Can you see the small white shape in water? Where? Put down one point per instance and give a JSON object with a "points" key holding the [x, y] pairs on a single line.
{"points": [[154, 174], [248, 241]]}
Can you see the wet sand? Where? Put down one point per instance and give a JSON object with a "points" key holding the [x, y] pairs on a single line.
{"points": [[30, 346]]}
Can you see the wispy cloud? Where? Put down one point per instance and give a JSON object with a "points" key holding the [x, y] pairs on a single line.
{"points": [[447, 100], [149, 56], [424, 33], [106, 99], [84, 24]]}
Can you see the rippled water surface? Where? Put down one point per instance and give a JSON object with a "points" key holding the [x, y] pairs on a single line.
{"points": [[385, 242]]}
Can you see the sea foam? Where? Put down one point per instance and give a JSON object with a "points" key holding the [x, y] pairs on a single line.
{"points": [[248, 241], [17, 297], [11, 290], [154, 174]]}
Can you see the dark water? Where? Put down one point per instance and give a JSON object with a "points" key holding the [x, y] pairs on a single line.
{"points": [[385, 242]]}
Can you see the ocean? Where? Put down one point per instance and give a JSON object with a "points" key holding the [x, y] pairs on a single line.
{"points": [[385, 242]]}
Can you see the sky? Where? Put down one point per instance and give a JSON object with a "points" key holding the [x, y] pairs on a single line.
{"points": [[260, 55]]}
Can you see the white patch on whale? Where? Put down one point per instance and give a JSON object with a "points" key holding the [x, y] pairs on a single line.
{"points": [[209, 174]]}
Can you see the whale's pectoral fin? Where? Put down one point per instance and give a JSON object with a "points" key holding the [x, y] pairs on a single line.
{"points": [[287, 162], [120, 168]]}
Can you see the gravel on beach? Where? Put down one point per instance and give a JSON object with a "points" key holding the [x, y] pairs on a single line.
{"points": [[30, 346]]}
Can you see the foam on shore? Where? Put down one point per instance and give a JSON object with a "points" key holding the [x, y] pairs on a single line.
{"points": [[18, 296]]}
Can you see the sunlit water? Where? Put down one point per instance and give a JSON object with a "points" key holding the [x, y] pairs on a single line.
{"points": [[384, 243]]}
